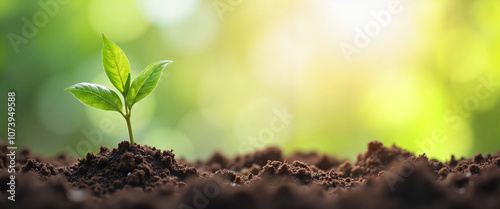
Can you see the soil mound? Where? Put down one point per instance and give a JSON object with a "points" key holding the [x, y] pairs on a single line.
{"points": [[127, 166], [134, 176]]}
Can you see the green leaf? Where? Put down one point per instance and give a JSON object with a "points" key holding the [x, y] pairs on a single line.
{"points": [[116, 65], [145, 82], [97, 96]]}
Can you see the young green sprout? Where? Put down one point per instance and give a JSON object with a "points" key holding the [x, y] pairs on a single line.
{"points": [[117, 69]]}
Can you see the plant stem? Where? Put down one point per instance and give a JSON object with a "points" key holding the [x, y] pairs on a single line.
{"points": [[130, 135], [128, 113]]}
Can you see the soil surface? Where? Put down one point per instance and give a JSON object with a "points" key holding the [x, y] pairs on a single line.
{"points": [[143, 177]]}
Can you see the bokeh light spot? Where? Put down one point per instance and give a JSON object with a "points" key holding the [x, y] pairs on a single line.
{"points": [[168, 12], [195, 34], [121, 20], [6, 7]]}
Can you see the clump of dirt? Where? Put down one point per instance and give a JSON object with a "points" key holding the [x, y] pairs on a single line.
{"points": [[25, 154], [134, 176], [127, 166], [376, 159], [239, 163]]}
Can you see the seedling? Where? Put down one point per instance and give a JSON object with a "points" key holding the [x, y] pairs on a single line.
{"points": [[117, 68]]}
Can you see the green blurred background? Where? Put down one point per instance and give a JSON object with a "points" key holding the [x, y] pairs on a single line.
{"points": [[427, 81]]}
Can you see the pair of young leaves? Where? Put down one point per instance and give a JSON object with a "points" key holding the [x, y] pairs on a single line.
{"points": [[117, 69]]}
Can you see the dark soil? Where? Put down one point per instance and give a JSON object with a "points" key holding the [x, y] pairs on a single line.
{"points": [[134, 176]]}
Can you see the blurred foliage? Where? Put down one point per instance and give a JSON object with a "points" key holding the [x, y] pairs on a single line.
{"points": [[238, 64]]}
